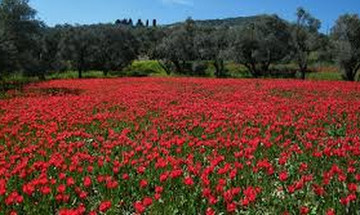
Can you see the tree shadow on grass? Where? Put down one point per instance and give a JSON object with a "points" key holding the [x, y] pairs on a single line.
{"points": [[54, 91], [41, 92]]}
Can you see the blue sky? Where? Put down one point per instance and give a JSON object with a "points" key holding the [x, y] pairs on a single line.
{"points": [[168, 11]]}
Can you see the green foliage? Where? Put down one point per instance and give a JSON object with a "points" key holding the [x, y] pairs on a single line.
{"points": [[8, 53], [178, 46], [145, 68], [116, 47], [255, 46], [19, 32], [346, 34], [199, 69], [228, 22], [331, 76], [79, 47], [259, 44], [305, 39], [237, 70], [212, 45], [74, 75], [14, 81]]}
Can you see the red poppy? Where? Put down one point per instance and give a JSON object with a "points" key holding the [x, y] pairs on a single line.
{"points": [[104, 206]]}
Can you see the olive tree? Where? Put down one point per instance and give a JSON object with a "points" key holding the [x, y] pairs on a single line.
{"points": [[116, 47], [178, 47], [148, 40], [46, 50], [259, 44], [212, 45], [8, 53], [346, 34], [78, 46], [19, 31], [305, 39]]}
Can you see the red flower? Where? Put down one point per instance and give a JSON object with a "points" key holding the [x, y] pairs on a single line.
{"points": [[304, 210], [87, 181], [157, 196], [28, 189], [318, 190], [250, 193], [139, 207], [352, 187], [188, 181], [231, 207], [181, 131], [61, 188], [159, 189], [13, 198], [83, 195], [70, 181], [45, 190], [147, 201], [104, 206], [346, 200], [125, 176], [112, 184], [210, 211], [163, 177], [143, 183], [2, 187], [330, 212], [245, 202], [62, 176], [283, 176]]}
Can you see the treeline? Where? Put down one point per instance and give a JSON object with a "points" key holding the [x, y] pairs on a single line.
{"points": [[28, 46], [140, 23]]}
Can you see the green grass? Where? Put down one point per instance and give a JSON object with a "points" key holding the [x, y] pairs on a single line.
{"points": [[145, 68], [14, 82], [152, 68], [18, 78], [236, 70], [75, 74], [329, 76]]}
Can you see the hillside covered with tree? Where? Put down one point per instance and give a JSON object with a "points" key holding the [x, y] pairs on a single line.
{"points": [[259, 43]]}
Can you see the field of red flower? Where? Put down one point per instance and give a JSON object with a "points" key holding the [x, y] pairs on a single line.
{"points": [[181, 146]]}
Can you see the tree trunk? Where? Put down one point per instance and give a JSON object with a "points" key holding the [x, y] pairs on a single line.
{"points": [[351, 78], [217, 69], [80, 72], [303, 74], [303, 69], [252, 70], [265, 67], [106, 72], [2, 85], [266, 64], [356, 71], [177, 66], [41, 76], [350, 75], [222, 67]]}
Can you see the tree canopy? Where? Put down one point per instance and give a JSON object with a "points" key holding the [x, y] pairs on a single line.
{"points": [[346, 34], [30, 47]]}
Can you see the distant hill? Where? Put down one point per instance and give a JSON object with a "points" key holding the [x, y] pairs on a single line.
{"points": [[228, 22]]}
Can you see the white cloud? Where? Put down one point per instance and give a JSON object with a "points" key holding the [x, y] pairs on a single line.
{"points": [[179, 2]]}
